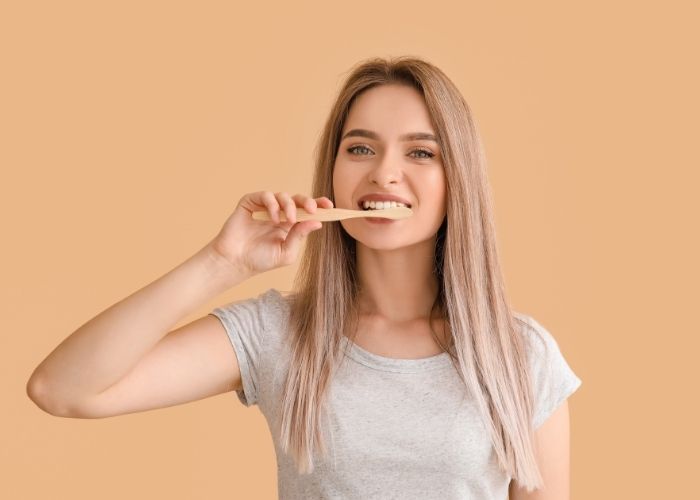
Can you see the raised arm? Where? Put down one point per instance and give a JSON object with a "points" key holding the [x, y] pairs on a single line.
{"points": [[122, 340], [127, 359]]}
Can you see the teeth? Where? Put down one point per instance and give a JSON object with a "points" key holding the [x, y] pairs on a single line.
{"points": [[380, 205]]}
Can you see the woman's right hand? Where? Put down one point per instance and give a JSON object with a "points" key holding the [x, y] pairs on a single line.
{"points": [[255, 246]]}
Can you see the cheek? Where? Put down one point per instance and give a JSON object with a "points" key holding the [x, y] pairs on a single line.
{"points": [[344, 182], [338, 180], [434, 186], [340, 192]]}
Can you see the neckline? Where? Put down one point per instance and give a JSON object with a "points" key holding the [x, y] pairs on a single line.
{"points": [[397, 365]]}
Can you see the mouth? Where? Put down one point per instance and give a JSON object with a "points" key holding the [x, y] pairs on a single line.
{"points": [[360, 206]]}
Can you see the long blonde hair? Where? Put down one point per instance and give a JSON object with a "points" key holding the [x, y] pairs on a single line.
{"points": [[486, 347]]}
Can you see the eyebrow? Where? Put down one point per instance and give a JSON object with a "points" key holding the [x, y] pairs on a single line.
{"points": [[413, 136]]}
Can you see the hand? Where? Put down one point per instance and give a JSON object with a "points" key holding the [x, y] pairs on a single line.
{"points": [[255, 246]]}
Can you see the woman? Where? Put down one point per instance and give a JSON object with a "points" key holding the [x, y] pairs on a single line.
{"points": [[396, 368]]}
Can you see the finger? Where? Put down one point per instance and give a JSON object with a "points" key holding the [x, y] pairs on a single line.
{"points": [[306, 202], [297, 234], [267, 199], [290, 209], [324, 202]]}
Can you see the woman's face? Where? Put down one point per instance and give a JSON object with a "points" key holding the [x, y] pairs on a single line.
{"points": [[376, 155]]}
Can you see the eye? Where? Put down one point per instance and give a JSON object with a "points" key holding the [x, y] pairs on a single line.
{"points": [[352, 149], [363, 150], [428, 153]]}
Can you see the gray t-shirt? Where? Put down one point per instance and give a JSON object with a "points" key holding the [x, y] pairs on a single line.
{"points": [[399, 428]]}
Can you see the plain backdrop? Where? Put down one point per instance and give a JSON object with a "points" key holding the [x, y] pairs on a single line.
{"points": [[129, 131]]}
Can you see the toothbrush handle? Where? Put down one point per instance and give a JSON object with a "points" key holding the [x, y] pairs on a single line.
{"points": [[322, 214]]}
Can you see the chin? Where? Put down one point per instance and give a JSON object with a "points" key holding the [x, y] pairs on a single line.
{"points": [[384, 242]]}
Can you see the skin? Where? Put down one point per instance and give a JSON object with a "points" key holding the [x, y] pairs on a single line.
{"points": [[391, 296], [553, 458]]}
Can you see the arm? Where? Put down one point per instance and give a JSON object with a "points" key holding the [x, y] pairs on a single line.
{"points": [[552, 457], [122, 357]]}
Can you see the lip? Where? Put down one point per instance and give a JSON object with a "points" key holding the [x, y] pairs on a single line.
{"points": [[382, 197], [379, 220]]}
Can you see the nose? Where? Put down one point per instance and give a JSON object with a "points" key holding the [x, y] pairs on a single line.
{"points": [[386, 171]]}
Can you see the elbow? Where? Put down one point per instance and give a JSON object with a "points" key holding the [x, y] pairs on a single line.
{"points": [[42, 396]]}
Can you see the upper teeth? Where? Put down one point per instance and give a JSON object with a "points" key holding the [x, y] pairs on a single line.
{"points": [[379, 205]]}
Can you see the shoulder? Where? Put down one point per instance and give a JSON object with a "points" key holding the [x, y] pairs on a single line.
{"points": [[545, 357], [267, 303], [275, 301], [553, 378], [273, 308], [262, 316], [539, 341]]}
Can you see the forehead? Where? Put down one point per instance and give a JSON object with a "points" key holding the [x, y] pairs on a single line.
{"points": [[390, 110]]}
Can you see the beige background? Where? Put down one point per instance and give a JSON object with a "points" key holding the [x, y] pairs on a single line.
{"points": [[130, 130]]}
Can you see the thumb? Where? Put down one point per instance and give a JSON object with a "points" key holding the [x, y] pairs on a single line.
{"points": [[297, 234]]}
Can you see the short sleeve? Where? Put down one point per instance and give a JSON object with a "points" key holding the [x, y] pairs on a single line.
{"points": [[552, 377], [245, 322]]}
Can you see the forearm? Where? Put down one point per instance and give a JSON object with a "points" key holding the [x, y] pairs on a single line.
{"points": [[107, 347]]}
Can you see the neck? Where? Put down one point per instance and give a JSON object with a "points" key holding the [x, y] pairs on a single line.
{"points": [[397, 285]]}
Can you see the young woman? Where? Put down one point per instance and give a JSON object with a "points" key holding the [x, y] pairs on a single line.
{"points": [[396, 367]]}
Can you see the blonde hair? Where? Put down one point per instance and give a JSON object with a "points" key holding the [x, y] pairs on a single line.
{"points": [[485, 347]]}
